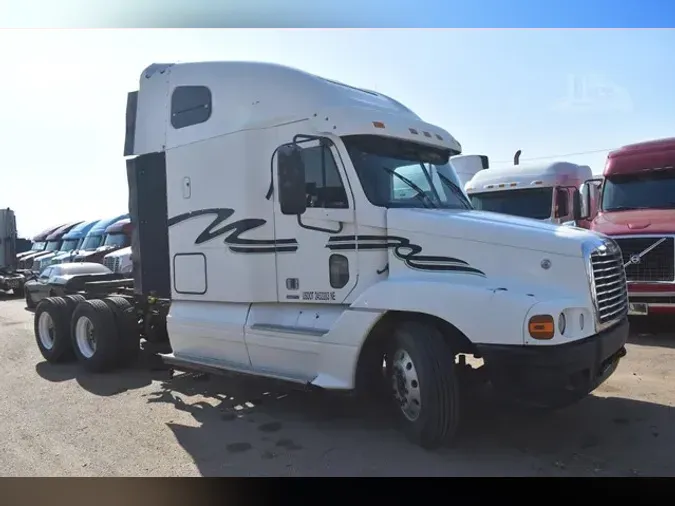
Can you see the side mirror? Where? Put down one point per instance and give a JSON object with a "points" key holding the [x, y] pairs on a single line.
{"points": [[291, 175], [585, 201]]}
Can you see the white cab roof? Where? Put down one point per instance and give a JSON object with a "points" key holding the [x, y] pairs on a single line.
{"points": [[529, 175], [252, 95]]}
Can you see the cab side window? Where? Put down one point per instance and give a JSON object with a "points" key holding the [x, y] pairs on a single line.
{"points": [[324, 186], [562, 202]]}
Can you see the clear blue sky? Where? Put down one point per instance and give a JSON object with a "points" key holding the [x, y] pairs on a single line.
{"points": [[63, 95]]}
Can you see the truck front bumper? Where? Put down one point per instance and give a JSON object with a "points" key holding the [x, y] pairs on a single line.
{"points": [[558, 375], [11, 282], [651, 298]]}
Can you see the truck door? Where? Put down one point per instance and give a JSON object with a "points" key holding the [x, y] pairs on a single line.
{"points": [[310, 272]]}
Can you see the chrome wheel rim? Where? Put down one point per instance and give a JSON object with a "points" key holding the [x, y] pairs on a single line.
{"points": [[46, 330], [406, 385], [85, 337]]}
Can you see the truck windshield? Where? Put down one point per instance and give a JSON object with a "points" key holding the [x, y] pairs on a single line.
{"points": [[400, 173], [116, 240], [53, 246], [651, 190], [92, 242], [69, 244], [534, 203], [38, 246]]}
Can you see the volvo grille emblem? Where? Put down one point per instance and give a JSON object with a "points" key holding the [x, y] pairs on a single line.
{"points": [[637, 258]]}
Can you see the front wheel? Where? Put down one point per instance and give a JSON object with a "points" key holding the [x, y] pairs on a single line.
{"points": [[18, 291], [421, 371], [30, 304]]}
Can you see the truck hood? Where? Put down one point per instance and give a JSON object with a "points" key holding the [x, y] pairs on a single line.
{"points": [[123, 252], [490, 228], [100, 251], [32, 255], [639, 221], [65, 254]]}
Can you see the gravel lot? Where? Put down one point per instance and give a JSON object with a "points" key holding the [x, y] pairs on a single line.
{"points": [[58, 421]]}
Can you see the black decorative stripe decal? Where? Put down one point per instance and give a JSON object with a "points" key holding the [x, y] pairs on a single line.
{"points": [[234, 241], [404, 250]]}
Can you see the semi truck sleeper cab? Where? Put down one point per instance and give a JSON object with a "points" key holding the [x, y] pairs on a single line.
{"points": [[542, 191], [637, 209], [269, 240]]}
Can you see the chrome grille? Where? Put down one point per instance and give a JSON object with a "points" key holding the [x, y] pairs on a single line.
{"points": [[648, 258], [609, 282], [112, 263]]}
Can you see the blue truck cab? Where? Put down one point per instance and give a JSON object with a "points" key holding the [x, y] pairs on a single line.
{"points": [[72, 242], [94, 238]]}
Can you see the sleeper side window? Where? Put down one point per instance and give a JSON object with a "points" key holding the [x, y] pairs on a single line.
{"points": [[190, 105]]}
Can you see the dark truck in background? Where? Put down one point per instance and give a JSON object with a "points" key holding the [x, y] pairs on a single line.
{"points": [[39, 246], [11, 278], [54, 243]]}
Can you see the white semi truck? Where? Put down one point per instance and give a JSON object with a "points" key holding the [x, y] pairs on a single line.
{"points": [[268, 240], [119, 261], [546, 191]]}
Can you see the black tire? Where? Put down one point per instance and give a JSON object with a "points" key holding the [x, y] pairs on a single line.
{"points": [[104, 356], [127, 329], [429, 356], [73, 301], [30, 304], [18, 292], [55, 348]]}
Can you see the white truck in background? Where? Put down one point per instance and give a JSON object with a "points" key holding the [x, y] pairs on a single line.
{"points": [[119, 261], [269, 240], [543, 191]]}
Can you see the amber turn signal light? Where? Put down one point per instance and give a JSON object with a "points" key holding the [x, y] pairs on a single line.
{"points": [[541, 327]]}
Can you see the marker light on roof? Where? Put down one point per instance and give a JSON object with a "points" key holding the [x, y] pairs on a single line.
{"points": [[439, 137], [537, 182], [489, 186], [378, 124], [426, 134], [513, 184], [413, 131]]}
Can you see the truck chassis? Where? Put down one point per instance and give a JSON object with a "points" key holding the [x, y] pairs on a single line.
{"points": [[104, 324]]}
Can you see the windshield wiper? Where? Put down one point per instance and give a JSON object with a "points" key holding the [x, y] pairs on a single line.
{"points": [[421, 194], [456, 190]]}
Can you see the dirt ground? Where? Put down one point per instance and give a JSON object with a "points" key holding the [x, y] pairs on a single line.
{"points": [[59, 421]]}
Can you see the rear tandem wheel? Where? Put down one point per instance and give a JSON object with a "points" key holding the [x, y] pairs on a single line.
{"points": [[95, 336]]}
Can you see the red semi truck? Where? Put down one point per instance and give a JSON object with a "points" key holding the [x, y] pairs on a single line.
{"points": [[637, 209]]}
